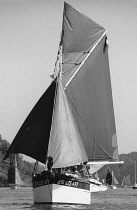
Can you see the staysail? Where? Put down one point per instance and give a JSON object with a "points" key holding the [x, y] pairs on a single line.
{"points": [[87, 93], [65, 145]]}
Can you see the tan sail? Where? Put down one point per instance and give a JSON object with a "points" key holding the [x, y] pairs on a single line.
{"points": [[65, 145]]}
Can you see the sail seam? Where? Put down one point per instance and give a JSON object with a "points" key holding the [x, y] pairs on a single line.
{"points": [[82, 52], [85, 58], [75, 64]]}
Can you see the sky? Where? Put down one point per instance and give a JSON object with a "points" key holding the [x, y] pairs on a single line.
{"points": [[29, 39]]}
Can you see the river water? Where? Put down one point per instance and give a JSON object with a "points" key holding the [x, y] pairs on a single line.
{"points": [[118, 199]]}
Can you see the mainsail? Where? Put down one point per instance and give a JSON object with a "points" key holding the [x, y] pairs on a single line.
{"points": [[87, 79], [85, 91]]}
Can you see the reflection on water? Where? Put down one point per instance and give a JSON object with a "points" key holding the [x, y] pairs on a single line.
{"points": [[119, 199]]}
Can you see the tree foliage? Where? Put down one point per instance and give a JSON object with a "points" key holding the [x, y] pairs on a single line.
{"points": [[25, 167], [121, 170]]}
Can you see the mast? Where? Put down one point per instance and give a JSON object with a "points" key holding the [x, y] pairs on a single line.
{"points": [[135, 171], [15, 168], [123, 182], [112, 179]]}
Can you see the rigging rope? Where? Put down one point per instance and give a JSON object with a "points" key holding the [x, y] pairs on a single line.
{"points": [[18, 167]]}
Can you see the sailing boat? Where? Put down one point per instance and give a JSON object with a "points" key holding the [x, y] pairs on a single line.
{"points": [[126, 181], [135, 183], [72, 126], [14, 179], [111, 181], [96, 185]]}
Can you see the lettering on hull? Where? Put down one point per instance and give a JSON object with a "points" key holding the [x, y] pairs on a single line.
{"points": [[44, 179]]}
